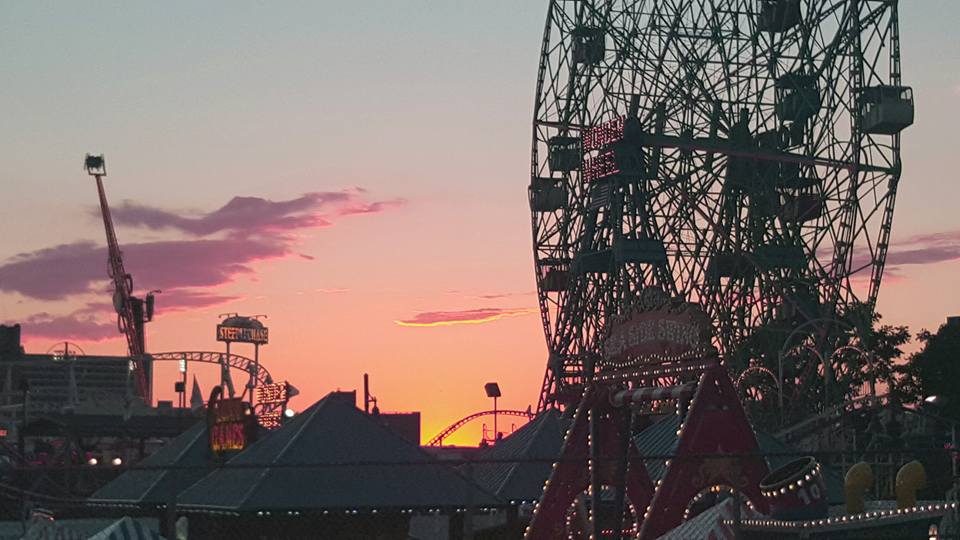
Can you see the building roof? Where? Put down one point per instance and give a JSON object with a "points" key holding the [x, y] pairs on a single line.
{"points": [[532, 446], [190, 453], [109, 425], [332, 456]]}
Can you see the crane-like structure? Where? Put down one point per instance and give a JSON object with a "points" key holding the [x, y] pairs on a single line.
{"points": [[132, 312]]}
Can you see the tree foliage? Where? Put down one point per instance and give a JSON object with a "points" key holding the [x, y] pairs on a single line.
{"points": [[824, 363], [935, 369]]}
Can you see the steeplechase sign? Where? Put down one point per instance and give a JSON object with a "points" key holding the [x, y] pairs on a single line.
{"points": [[243, 334]]}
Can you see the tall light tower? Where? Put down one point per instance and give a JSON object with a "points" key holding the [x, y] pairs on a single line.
{"points": [[493, 391], [132, 312]]}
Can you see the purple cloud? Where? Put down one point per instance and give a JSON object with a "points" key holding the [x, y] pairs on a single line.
{"points": [[70, 269], [186, 299], [80, 325], [244, 216], [96, 321], [926, 249], [256, 229]]}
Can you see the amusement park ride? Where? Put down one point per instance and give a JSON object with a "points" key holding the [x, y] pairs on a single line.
{"points": [[268, 399], [699, 170], [132, 312]]}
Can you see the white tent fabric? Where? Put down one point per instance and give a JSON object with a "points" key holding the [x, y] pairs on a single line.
{"points": [[711, 523], [126, 529]]}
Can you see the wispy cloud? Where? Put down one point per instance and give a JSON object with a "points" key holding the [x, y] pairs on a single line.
{"points": [[96, 321], [491, 296], [78, 268], [925, 249], [80, 325], [253, 229], [469, 316], [917, 250], [245, 216]]}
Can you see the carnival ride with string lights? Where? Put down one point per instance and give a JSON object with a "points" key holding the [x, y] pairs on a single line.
{"points": [[734, 159]]}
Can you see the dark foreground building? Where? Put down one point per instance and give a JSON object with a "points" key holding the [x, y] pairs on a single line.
{"points": [[330, 472]]}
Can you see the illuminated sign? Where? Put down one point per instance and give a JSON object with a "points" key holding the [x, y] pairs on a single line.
{"points": [[600, 167], [230, 423], [273, 393], [607, 133], [242, 334], [272, 400], [663, 332]]}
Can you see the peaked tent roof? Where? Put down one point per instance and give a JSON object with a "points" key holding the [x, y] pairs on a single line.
{"points": [[155, 485], [532, 446], [332, 456]]}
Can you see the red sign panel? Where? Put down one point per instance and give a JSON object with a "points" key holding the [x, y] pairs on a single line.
{"points": [[230, 423]]}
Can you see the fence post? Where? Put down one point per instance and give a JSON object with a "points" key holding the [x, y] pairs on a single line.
{"points": [[468, 514]]}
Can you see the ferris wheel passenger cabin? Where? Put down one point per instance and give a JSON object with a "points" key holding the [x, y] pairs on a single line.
{"points": [[547, 195], [589, 45], [778, 15], [889, 109], [799, 98], [564, 154]]}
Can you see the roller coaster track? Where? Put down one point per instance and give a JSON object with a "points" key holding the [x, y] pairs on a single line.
{"points": [[438, 440], [235, 361], [831, 415]]}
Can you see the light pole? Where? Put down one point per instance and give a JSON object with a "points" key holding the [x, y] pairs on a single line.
{"points": [[493, 391], [783, 351], [870, 365]]}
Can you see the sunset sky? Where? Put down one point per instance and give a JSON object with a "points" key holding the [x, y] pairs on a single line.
{"points": [[356, 171]]}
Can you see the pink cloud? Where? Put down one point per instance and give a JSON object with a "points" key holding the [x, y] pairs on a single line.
{"points": [[924, 249], [370, 208], [331, 290], [71, 269], [921, 249], [470, 316], [80, 325], [498, 296], [256, 229], [96, 321], [186, 299], [244, 216]]}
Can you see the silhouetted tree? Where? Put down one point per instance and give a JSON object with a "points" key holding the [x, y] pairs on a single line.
{"points": [[935, 369], [805, 385]]}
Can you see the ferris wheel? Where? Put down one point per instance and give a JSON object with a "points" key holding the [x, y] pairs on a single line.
{"points": [[740, 154]]}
